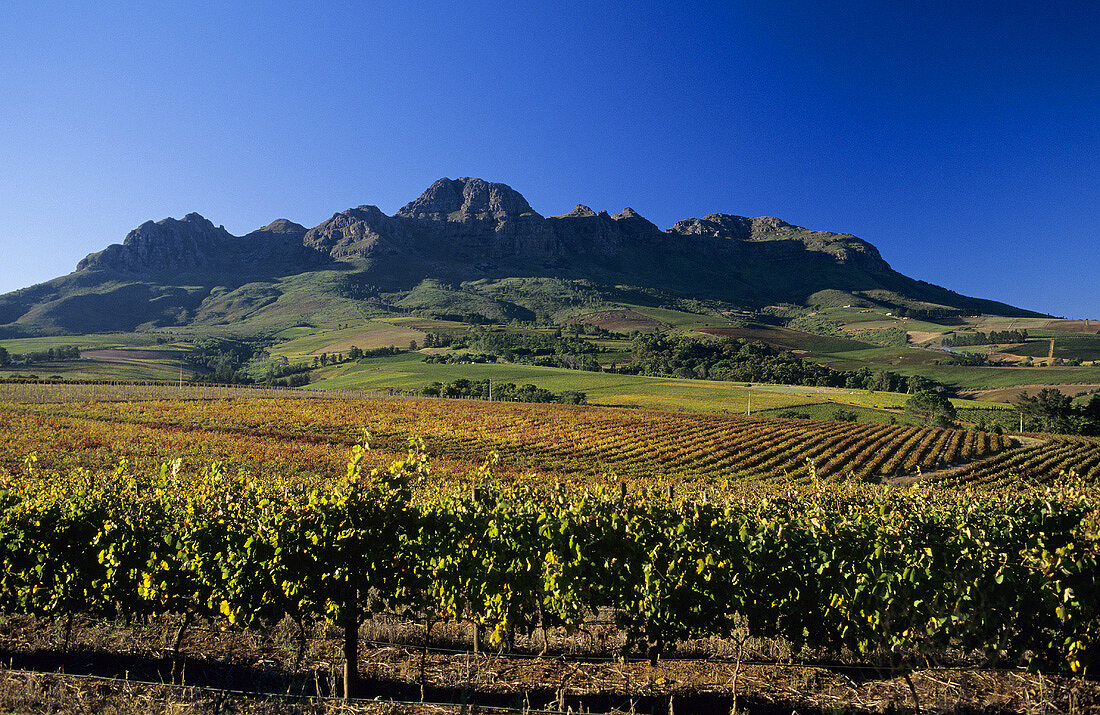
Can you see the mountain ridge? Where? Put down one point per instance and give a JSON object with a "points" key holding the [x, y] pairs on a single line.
{"points": [[464, 231], [460, 209]]}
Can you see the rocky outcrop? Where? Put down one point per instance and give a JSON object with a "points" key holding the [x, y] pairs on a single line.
{"points": [[736, 228], [280, 227], [355, 232], [582, 231], [277, 246], [776, 239], [194, 244], [169, 245]]}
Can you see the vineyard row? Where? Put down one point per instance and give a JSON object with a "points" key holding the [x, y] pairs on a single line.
{"points": [[834, 568]]}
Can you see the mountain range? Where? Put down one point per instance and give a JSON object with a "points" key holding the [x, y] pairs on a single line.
{"points": [[465, 248]]}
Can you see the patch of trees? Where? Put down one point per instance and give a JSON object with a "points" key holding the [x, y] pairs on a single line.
{"points": [[965, 359], [931, 314], [459, 358], [557, 349], [64, 352], [932, 408], [994, 337], [522, 347], [287, 375], [503, 392], [439, 340], [358, 354], [222, 360], [1051, 411], [582, 328], [865, 378], [472, 318], [741, 360]]}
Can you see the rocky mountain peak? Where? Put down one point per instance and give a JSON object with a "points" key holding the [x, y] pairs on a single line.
{"points": [[636, 222], [370, 211], [466, 197], [282, 226], [581, 211]]}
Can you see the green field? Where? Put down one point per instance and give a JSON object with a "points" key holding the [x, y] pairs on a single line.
{"points": [[407, 372], [828, 410], [883, 358], [992, 378], [1067, 346], [301, 342]]}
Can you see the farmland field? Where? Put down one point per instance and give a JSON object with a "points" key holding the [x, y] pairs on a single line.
{"points": [[536, 444], [303, 342], [585, 446]]}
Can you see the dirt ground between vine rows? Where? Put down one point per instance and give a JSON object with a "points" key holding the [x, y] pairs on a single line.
{"points": [[109, 667]]}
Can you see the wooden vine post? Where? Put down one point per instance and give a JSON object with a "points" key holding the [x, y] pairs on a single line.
{"points": [[475, 635], [351, 647]]}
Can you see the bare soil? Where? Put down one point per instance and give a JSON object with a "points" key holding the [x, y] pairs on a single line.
{"points": [[1074, 326], [921, 336], [115, 668]]}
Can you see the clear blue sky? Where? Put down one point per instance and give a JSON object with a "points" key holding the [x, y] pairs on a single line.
{"points": [[961, 138]]}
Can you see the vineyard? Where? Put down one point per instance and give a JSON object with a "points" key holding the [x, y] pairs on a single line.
{"points": [[309, 438], [868, 571], [665, 534]]}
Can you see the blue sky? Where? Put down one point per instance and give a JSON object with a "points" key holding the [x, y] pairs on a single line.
{"points": [[961, 138]]}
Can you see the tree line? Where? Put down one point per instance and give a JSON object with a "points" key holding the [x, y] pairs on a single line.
{"points": [[1051, 411], [994, 337], [502, 392], [741, 360], [63, 352]]}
